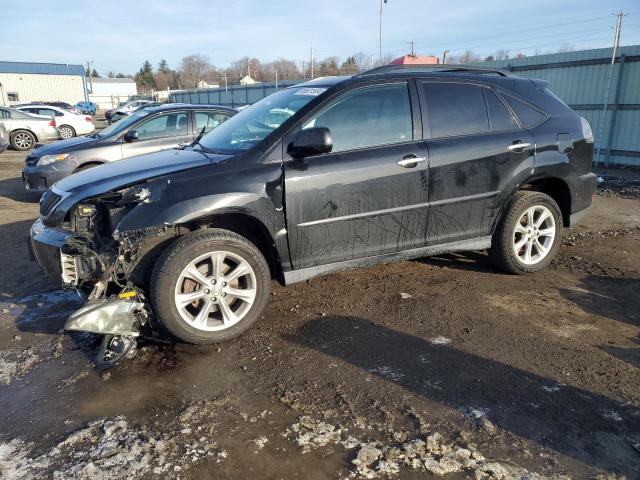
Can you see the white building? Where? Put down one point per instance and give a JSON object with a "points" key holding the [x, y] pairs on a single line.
{"points": [[247, 80], [108, 92], [22, 82]]}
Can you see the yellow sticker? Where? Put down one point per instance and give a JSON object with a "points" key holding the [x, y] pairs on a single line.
{"points": [[128, 294]]}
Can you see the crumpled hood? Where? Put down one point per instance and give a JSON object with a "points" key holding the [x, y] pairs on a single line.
{"points": [[63, 146], [119, 174]]}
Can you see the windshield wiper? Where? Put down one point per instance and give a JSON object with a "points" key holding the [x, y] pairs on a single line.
{"points": [[196, 141]]}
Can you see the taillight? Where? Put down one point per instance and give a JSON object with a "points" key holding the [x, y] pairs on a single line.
{"points": [[88, 119], [52, 123]]}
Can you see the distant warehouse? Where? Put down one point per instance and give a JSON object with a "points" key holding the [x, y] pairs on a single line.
{"points": [[22, 82]]}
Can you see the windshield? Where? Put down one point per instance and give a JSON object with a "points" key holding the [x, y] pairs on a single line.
{"points": [[246, 129], [126, 122]]}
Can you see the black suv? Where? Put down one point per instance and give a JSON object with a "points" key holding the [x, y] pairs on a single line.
{"points": [[328, 175]]}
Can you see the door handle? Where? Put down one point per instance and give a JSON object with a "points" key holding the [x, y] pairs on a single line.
{"points": [[410, 161], [518, 146]]}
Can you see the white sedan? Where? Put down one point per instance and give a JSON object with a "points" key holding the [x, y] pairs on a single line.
{"points": [[69, 124]]}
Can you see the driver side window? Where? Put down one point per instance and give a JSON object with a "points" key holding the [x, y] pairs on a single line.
{"points": [[167, 125], [367, 117]]}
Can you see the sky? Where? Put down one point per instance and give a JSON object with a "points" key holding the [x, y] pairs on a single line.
{"points": [[119, 35]]}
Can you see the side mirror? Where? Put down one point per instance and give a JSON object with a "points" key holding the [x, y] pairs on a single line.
{"points": [[131, 136], [311, 141]]}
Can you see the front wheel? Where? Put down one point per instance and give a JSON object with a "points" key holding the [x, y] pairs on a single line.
{"points": [[210, 286], [529, 235]]}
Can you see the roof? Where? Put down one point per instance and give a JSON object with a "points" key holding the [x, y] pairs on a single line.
{"points": [[111, 80], [41, 68]]}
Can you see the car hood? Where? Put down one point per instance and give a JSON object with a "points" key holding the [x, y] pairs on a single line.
{"points": [[119, 174], [64, 146]]}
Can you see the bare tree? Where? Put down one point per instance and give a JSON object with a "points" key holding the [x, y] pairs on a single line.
{"points": [[194, 68], [501, 55]]}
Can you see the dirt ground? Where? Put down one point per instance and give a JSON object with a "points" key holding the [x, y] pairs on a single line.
{"points": [[440, 366]]}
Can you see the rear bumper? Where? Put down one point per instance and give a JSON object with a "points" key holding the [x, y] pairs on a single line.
{"points": [[583, 188], [48, 134]]}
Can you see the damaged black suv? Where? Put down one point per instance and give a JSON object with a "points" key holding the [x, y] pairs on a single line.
{"points": [[335, 173]]}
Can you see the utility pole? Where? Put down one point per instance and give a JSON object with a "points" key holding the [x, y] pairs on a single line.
{"points": [[311, 63], [382, 2], [413, 52], [89, 63], [616, 45], [276, 78]]}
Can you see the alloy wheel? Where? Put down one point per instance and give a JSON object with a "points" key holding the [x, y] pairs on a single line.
{"points": [[66, 132], [534, 234], [215, 291], [23, 140]]}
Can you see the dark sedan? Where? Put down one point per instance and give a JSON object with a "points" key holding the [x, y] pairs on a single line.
{"points": [[148, 130]]}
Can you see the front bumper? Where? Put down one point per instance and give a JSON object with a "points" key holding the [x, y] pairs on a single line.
{"points": [[46, 245], [40, 178]]}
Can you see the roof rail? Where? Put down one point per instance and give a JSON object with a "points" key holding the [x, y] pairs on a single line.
{"points": [[437, 67]]}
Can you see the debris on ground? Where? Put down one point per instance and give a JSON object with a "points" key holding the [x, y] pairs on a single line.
{"points": [[428, 453], [614, 186]]}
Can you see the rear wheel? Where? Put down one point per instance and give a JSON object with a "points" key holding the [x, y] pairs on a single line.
{"points": [[529, 235], [67, 131], [210, 286], [22, 140]]}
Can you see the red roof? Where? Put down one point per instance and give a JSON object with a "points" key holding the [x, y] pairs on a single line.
{"points": [[415, 60]]}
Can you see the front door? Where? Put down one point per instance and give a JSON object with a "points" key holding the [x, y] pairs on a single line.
{"points": [[476, 148], [160, 132], [369, 195]]}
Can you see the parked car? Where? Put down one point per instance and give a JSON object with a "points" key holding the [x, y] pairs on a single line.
{"points": [[119, 115], [126, 107], [147, 130], [4, 138], [26, 130], [87, 108], [69, 124], [63, 105], [391, 164]]}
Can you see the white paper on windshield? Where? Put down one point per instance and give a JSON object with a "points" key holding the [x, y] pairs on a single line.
{"points": [[314, 92]]}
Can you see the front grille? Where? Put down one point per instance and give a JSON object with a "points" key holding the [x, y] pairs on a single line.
{"points": [[48, 201]]}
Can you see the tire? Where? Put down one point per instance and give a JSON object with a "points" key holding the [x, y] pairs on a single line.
{"points": [[67, 131], [22, 140], [207, 319], [520, 246]]}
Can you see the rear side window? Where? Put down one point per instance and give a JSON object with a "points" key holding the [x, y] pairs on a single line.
{"points": [[529, 115], [209, 120], [455, 109], [499, 116]]}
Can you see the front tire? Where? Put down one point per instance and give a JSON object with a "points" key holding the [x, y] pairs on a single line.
{"points": [[210, 286], [529, 235]]}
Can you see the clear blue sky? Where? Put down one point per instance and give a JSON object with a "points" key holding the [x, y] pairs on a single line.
{"points": [[119, 35]]}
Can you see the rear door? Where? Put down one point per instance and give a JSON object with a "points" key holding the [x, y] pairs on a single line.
{"points": [[476, 148], [369, 195], [208, 119], [160, 132]]}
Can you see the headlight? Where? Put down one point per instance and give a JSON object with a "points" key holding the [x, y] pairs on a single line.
{"points": [[47, 159]]}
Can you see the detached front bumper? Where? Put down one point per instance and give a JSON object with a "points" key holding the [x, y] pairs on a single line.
{"points": [[46, 245], [40, 178]]}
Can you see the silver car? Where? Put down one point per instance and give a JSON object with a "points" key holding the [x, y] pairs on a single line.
{"points": [[25, 130]]}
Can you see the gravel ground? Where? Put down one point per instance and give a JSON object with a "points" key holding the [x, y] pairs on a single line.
{"points": [[435, 367]]}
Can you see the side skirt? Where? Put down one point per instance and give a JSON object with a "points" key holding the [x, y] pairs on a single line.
{"points": [[295, 276]]}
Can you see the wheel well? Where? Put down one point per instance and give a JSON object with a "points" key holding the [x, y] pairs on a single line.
{"points": [[87, 165], [556, 189], [23, 130], [250, 228]]}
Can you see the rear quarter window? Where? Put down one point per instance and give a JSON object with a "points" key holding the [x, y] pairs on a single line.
{"points": [[528, 115]]}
